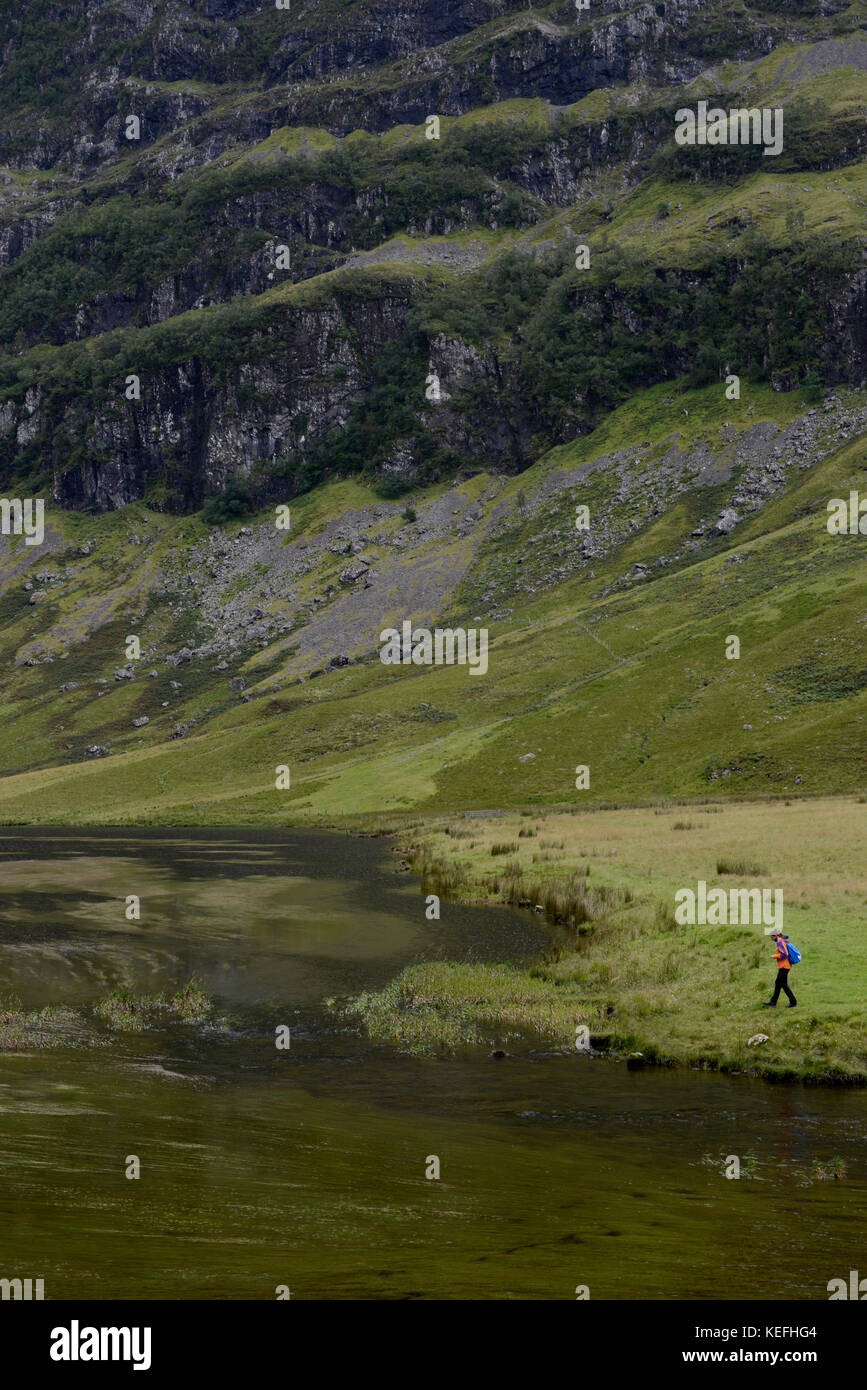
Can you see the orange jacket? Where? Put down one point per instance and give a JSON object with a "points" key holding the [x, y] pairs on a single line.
{"points": [[781, 955]]}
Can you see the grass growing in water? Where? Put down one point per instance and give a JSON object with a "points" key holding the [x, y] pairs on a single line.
{"points": [[134, 1013], [22, 1029], [823, 1171], [443, 1006]]}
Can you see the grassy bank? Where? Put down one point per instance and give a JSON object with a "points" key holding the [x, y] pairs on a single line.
{"points": [[625, 969]]}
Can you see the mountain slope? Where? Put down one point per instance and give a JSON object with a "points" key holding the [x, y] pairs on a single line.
{"points": [[276, 291], [260, 648]]}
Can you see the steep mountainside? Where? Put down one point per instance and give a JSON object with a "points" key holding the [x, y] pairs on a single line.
{"points": [[242, 266]]}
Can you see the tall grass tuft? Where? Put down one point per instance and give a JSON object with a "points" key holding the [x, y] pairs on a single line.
{"points": [[126, 1012], [741, 868]]}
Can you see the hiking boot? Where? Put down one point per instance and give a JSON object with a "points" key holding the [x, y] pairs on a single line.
{"points": [[769, 1004], [793, 1005]]}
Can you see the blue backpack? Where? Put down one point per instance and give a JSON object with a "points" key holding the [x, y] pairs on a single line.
{"points": [[793, 953]]}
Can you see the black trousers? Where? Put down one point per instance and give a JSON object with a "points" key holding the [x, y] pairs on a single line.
{"points": [[782, 983]]}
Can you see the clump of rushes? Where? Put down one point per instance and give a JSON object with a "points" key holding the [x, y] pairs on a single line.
{"points": [[405, 1014], [133, 1013], [124, 1012], [740, 868], [449, 1005], [439, 876], [823, 1171], [190, 1003], [571, 903], [55, 1026]]}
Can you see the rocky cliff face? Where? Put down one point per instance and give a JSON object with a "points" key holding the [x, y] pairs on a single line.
{"points": [[193, 430], [280, 148], [300, 67]]}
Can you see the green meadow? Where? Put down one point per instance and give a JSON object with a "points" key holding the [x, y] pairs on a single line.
{"points": [[623, 968]]}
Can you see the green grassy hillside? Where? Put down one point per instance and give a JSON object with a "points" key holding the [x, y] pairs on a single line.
{"points": [[618, 664], [241, 304]]}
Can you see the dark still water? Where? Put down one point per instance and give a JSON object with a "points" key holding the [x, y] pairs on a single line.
{"points": [[306, 1168]]}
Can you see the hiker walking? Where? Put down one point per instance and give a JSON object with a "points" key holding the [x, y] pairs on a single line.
{"points": [[784, 965]]}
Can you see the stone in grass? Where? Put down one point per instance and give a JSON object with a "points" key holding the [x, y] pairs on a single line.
{"points": [[727, 522], [352, 573], [140, 723], [97, 750]]}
